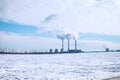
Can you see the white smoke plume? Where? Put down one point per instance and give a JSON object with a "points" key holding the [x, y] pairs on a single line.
{"points": [[65, 34], [60, 35], [68, 36], [75, 36]]}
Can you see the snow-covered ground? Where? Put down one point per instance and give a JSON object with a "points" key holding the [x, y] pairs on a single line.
{"points": [[82, 66]]}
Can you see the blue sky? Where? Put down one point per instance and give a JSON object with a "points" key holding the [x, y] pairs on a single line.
{"points": [[33, 21], [22, 29], [17, 28], [32, 30]]}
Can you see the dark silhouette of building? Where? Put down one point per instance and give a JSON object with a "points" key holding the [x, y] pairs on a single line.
{"points": [[107, 50], [56, 50], [50, 50]]}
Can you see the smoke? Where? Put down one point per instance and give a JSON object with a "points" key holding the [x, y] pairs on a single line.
{"points": [[75, 36], [60, 35], [104, 46], [67, 35]]}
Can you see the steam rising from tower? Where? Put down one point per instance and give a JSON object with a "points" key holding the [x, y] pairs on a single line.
{"points": [[68, 37], [75, 37], [62, 35]]}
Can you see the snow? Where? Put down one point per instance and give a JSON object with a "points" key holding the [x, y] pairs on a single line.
{"points": [[78, 66]]}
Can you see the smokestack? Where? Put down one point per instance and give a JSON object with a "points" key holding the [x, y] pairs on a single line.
{"points": [[61, 36], [75, 45], [75, 37], [68, 44], [62, 45], [68, 36]]}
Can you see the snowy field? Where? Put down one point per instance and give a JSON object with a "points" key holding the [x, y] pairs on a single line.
{"points": [[82, 66]]}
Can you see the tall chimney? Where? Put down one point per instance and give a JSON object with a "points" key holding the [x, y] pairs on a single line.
{"points": [[68, 45], [68, 37], [75, 45], [62, 44]]}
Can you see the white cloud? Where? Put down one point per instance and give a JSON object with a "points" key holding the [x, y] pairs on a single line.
{"points": [[16, 41], [96, 16]]}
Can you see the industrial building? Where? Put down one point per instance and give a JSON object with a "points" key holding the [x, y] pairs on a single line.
{"points": [[75, 50]]}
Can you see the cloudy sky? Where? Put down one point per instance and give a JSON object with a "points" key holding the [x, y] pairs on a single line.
{"points": [[34, 24]]}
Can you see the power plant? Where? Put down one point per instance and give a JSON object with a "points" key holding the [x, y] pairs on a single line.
{"points": [[68, 36], [62, 36]]}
